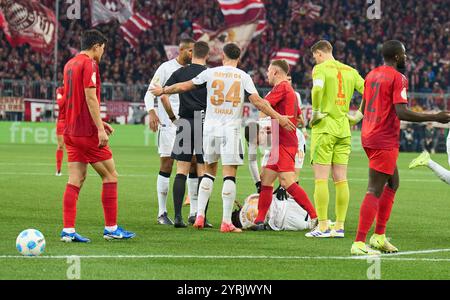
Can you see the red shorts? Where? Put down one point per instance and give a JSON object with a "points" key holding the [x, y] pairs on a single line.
{"points": [[282, 160], [382, 160], [60, 128], [85, 149]]}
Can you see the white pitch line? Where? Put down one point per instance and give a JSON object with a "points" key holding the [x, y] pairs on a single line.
{"points": [[392, 257]]}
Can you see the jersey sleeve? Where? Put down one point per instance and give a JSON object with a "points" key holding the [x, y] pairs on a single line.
{"points": [[400, 89], [90, 74], [318, 78], [172, 79], [249, 86], [201, 78], [158, 77]]}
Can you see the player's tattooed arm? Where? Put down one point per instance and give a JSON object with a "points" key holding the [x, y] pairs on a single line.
{"points": [[265, 107], [404, 114], [167, 107], [177, 88]]}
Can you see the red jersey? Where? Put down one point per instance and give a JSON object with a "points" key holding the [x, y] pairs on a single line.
{"points": [[61, 101], [284, 101], [383, 88], [79, 73]]}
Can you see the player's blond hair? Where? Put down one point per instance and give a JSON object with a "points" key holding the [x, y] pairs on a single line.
{"points": [[322, 45]]}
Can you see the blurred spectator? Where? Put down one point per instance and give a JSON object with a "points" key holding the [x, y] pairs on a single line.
{"points": [[407, 139], [431, 138], [422, 25]]}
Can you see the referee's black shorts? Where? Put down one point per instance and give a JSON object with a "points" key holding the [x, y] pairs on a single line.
{"points": [[189, 140]]}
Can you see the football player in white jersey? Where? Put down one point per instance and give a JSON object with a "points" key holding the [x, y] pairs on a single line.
{"points": [[160, 121], [424, 159], [226, 89]]}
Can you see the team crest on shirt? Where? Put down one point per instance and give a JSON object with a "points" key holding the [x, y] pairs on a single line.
{"points": [[404, 94], [94, 78]]}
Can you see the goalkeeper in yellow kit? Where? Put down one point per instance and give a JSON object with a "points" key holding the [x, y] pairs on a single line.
{"points": [[333, 87]]}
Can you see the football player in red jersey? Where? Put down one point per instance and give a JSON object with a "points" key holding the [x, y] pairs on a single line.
{"points": [[86, 138], [60, 123], [384, 105]]}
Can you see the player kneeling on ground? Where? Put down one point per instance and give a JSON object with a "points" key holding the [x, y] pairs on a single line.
{"points": [[86, 137]]}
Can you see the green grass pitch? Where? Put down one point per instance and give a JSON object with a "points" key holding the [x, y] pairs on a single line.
{"points": [[31, 197]]}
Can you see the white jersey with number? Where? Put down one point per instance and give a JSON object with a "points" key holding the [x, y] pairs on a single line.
{"points": [[226, 88], [162, 74]]}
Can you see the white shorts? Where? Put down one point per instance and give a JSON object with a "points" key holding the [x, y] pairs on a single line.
{"points": [[223, 143], [287, 215], [166, 139], [299, 157]]}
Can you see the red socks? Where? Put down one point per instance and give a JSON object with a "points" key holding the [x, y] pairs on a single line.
{"points": [[70, 205], [369, 208], [384, 209], [265, 199], [109, 201], [302, 199], [59, 159]]}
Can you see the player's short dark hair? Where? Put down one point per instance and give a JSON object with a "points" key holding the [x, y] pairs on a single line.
{"points": [[201, 49], [391, 48], [282, 64], [232, 51], [322, 45], [185, 42], [92, 37]]}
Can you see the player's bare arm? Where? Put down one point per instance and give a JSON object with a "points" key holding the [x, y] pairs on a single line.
{"points": [[265, 107], [177, 88], [168, 107], [94, 110], [404, 114]]}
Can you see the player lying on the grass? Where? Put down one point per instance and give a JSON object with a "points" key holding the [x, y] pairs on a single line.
{"points": [[86, 137], [160, 121], [226, 89], [284, 214], [60, 123], [284, 146], [424, 159], [189, 131], [333, 86], [384, 105]]}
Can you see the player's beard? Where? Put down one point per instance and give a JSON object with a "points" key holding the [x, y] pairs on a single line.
{"points": [[401, 67]]}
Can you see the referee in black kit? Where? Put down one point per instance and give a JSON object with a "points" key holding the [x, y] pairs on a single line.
{"points": [[188, 146]]}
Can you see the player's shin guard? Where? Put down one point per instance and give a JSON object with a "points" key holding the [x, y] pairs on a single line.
{"points": [[342, 200], [367, 213], [384, 209], [59, 159], [70, 205], [321, 199], [192, 183], [440, 171], [109, 202], [228, 197], [265, 199], [204, 192], [302, 199], [162, 187], [179, 188]]}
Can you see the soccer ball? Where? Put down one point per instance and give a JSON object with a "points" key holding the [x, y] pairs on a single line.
{"points": [[30, 242]]}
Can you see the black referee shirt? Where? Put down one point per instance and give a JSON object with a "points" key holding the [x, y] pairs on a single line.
{"points": [[194, 100]]}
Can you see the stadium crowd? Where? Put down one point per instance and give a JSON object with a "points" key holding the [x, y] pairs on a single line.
{"points": [[340, 22]]}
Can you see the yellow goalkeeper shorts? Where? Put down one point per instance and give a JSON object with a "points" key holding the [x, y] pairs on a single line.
{"points": [[326, 149]]}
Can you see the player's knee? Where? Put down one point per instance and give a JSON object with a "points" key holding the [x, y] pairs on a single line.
{"points": [[110, 177], [166, 165], [394, 185], [375, 191]]}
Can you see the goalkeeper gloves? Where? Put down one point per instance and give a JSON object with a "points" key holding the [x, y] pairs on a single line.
{"points": [[356, 118], [317, 116]]}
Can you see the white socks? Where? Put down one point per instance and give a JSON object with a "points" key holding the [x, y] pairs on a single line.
{"points": [[111, 228], [254, 170], [228, 197], [162, 187], [440, 171], [204, 192], [192, 184], [69, 230]]}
